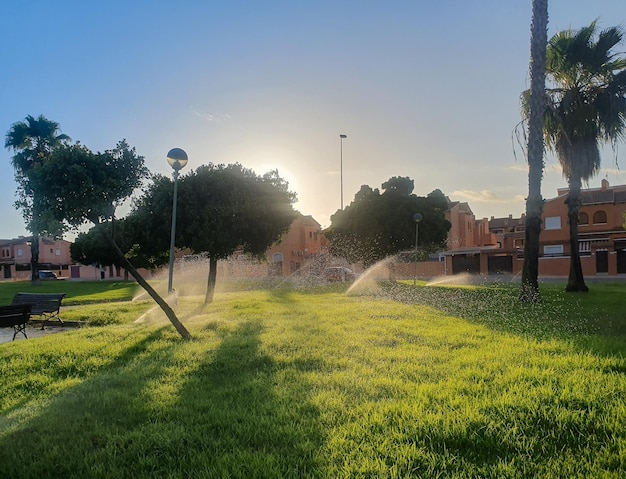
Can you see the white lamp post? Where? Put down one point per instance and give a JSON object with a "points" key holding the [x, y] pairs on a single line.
{"points": [[417, 217], [177, 159], [341, 137]]}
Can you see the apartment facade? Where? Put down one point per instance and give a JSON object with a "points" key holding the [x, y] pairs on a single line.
{"points": [[601, 234], [15, 257], [601, 242], [299, 251]]}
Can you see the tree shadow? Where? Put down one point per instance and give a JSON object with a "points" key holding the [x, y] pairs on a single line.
{"points": [[166, 408], [558, 315], [247, 418]]}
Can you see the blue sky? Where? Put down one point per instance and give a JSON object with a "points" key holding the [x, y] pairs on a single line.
{"points": [[428, 90]]}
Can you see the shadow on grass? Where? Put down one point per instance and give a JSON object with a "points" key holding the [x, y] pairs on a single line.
{"points": [[248, 420], [57, 368], [166, 408], [559, 315]]}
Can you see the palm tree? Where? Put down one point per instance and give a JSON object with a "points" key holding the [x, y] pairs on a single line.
{"points": [[529, 291], [586, 107], [32, 141]]}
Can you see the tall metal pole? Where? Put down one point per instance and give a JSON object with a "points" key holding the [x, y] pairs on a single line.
{"points": [[173, 235], [177, 159], [341, 137], [417, 217]]}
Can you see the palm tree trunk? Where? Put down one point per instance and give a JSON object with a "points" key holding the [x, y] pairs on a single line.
{"points": [[210, 289], [34, 260], [529, 290], [575, 281]]}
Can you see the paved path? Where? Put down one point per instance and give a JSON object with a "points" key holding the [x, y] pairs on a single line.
{"points": [[32, 331]]}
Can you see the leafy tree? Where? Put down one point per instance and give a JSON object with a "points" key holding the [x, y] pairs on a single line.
{"points": [[377, 225], [33, 140], [76, 185], [148, 226], [586, 107], [220, 208], [93, 247], [534, 108]]}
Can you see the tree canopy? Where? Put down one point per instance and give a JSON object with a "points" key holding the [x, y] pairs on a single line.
{"points": [[376, 225], [221, 208], [76, 185], [92, 247]]}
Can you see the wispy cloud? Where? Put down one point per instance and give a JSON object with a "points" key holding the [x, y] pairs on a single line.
{"points": [[210, 117], [548, 168], [483, 196]]}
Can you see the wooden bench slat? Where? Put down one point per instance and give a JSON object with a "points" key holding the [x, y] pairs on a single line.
{"points": [[47, 305], [16, 316]]}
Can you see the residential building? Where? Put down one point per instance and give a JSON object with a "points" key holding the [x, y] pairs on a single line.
{"points": [[298, 249], [301, 250], [601, 234], [465, 230], [467, 239], [601, 242], [15, 257]]}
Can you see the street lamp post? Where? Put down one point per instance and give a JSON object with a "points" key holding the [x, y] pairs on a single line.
{"points": [[177, 159], [341, 137], [417, 217]]}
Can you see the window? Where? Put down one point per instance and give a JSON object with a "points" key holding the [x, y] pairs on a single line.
{"points": [[57, 252], [277, 258], [584, 247], [51, 251], [583, 218], [20, 252], [553, 223], [599, 217], [518, 243], [553, 250]]}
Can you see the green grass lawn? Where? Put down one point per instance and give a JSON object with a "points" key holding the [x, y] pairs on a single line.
{"points": [[407, 382], [77, 292]]}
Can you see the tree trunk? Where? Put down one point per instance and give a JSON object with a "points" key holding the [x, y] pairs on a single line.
{"points": [[169, 312], [34, 260], [575, 281], [529, 290], [210, 288]]}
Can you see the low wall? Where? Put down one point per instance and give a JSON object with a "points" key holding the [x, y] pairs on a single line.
{"points": [[420, 270]]}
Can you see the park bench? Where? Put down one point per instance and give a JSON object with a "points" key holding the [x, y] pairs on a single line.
{"points": [[16, 316], [45, 305]]}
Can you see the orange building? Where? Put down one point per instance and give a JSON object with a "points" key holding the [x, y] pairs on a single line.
{"points": [[601, 234], [301, 250], [54, 255], [297, 250], [601, 242]]}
